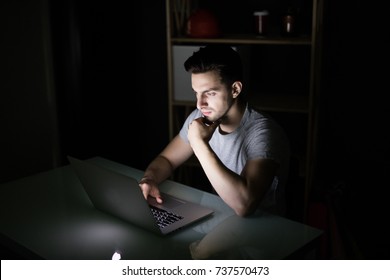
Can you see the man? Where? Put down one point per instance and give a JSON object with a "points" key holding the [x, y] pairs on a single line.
{"points": [[243, 153]]}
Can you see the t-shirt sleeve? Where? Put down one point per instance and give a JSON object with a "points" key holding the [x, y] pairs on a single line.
{"points": [[267, 141], [184, 129]]}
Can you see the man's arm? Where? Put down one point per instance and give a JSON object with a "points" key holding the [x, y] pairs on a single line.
{"points": [[174, 154], [242, 192]]}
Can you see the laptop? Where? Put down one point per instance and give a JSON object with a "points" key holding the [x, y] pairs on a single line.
{"points": [[120, 195]]}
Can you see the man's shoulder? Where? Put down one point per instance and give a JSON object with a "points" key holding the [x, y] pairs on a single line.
{"points": [[254, 113], [261, 120]]}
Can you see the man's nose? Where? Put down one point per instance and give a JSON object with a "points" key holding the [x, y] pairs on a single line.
{"points": [[201, 100]]}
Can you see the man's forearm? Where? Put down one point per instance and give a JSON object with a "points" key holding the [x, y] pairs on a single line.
{"points": [[158, 170]]}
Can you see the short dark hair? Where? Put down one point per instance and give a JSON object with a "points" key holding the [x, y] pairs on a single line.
{"points": [[220, 58]]}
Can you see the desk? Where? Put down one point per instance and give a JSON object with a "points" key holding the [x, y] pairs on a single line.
{"points": [[50, 216]]}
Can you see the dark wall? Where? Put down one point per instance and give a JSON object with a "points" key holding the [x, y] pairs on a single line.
{"points": [[355, 83], [353, 163], [29, 139], [111, 74], [85, 78]]}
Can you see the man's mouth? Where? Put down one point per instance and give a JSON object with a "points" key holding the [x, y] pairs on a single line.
{"points": [[206, 113]]}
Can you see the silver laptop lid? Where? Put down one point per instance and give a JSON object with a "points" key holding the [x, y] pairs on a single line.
{"points": [[121, 196], [115, 193]]}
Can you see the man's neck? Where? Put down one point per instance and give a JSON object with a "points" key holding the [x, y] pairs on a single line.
{"points": [[233, 118]]}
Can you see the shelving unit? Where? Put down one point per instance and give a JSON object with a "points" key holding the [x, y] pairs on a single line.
{"points": [[282, 72]]}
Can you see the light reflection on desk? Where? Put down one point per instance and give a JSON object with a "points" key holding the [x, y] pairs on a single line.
{"points": [[261, 236]]}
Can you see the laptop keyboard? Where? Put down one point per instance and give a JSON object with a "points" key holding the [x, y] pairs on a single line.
{"points": [[163, 217]]}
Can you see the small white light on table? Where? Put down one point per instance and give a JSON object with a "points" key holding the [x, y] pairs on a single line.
{"points": [[116, 256]]}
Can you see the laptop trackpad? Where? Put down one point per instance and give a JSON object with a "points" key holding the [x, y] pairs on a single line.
{"points": [[169, 202]]}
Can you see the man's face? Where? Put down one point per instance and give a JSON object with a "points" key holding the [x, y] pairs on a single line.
{"points": [[214, 99]]}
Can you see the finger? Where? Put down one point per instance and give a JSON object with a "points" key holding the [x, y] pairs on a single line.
{"points": [[158, 196], [145, 193], [159, 199], [215, 124], [205, 121]]}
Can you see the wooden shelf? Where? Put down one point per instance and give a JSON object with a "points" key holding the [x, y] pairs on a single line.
{"points": [[244, 39]]}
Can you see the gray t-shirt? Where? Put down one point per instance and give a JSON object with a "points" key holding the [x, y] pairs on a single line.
{"points": [[258, 136]]}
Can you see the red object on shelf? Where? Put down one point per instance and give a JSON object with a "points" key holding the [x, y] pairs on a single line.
{"points": [[203, 24]]}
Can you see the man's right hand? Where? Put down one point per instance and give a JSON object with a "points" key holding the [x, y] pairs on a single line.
{"points": [[149, 187]]}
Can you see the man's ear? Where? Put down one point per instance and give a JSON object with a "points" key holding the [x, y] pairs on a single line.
{"points": [[236, 88]]}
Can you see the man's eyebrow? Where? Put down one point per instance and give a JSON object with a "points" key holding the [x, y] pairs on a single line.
{"points": [[207, 90]]}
